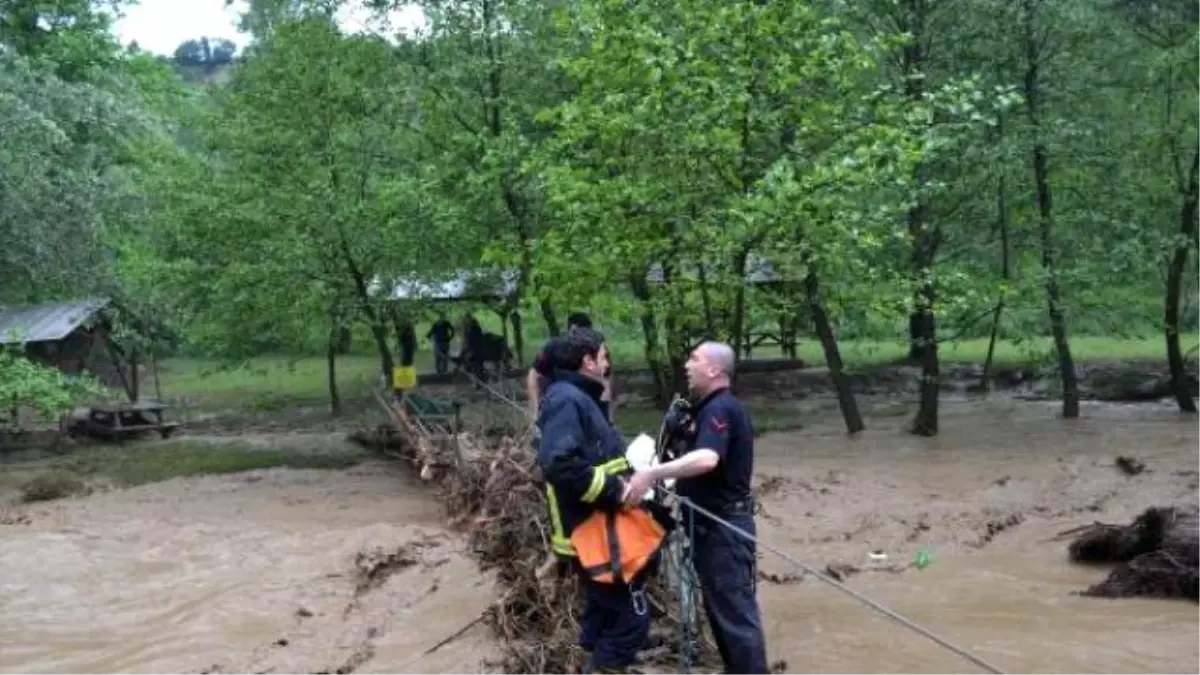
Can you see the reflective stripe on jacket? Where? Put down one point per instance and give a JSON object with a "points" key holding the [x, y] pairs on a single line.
{"points": [[559, 539]]}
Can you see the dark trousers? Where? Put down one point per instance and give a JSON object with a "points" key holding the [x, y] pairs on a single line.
{"points": [[614, 626], [441, 357], [727, 571]]}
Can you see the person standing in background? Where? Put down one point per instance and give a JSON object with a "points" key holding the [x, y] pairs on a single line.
{"points": [[440, 334], [471, 353]]}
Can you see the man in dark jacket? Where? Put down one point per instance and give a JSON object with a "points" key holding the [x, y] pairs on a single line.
{"points": [[539, 375], [471, 354], [581, 457], [715, 473]]}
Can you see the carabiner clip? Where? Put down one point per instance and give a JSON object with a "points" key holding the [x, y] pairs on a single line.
{"points": [[639, 602]]}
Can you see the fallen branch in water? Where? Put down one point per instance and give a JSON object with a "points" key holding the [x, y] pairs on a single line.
{"points": [[456, 634], [1067, 534], [1159, 554]]}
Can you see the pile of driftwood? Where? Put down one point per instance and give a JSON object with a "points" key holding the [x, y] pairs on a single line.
{"points": [[492, 490], [1157, 554]]}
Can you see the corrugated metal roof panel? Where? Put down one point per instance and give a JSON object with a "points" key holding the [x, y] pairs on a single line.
{"points": [[46, 322], [466, 284]]}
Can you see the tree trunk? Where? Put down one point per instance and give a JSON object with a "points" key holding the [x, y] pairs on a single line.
{"points": [[676, 337], [1041, 179], [641, 291], [331, 352], [375, 319], [710, 321], [344, 340], [550, 318], [738, 325], [386, 362], [134, 379], [926, 421], [1187, 233], [516, 205], [922, 325], [914, 337], [986, 377], [514, 317], [833, 356], [1058, 322], [1002, 218], [925, 342]]}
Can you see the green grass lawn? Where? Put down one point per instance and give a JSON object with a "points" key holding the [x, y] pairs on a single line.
{"points": [[274, 383], [268, 382]]}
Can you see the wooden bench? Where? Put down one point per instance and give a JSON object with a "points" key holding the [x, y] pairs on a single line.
{"points": [[126, 420]]}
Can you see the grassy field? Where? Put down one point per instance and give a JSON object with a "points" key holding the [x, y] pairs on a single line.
{"points": [[281, 394], [270, 382]]}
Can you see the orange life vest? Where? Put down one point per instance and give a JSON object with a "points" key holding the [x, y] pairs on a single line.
{"points": [[614, 547]]}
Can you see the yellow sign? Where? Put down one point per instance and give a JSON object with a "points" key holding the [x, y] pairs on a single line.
{"points": [[404, 377]]}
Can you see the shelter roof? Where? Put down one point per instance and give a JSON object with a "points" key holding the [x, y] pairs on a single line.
{"points": [[46, 322], [460, 285]]}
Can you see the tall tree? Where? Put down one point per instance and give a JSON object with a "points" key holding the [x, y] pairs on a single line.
{"points": [[1171, 30]]}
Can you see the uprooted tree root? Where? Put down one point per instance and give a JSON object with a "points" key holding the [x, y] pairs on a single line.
{"points": [[1157, 554], [490, 488]]}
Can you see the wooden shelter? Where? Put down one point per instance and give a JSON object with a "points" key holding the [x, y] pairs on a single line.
{"points": [[73, 336], [761, 274], [76, 337], [496, 289]]}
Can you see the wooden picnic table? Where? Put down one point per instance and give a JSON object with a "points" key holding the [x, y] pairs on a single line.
{"points": [[124, 420]]}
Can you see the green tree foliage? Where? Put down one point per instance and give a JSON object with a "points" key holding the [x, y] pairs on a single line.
{"points": [[83, 122], [311, 191], [914, 170], [46, 391]]}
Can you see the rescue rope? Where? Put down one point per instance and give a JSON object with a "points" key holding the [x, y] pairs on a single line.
{"points": [[688, 582], [892, 614], [689, 628], [492, 390]]}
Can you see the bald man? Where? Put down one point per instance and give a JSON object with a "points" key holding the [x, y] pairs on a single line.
{"points": [[715, 473]]}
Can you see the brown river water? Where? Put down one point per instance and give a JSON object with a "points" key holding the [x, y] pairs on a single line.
{"points": [[255, 572]]}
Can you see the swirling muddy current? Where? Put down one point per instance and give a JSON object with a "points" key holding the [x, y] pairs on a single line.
{"points": [[354, 570]]}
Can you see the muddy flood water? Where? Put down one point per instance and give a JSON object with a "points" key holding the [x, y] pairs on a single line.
{"points": [[255, 572]]}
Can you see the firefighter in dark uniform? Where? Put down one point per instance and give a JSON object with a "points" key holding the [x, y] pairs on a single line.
{"points": [[581, 457], [715, 472]]}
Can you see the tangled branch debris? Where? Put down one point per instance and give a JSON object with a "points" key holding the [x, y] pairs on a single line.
{"points": [[491, 488], [1158, 554]]}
